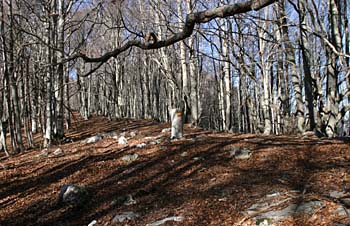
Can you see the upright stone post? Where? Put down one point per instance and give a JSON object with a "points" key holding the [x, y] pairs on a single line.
{"points": [[176, 123]]}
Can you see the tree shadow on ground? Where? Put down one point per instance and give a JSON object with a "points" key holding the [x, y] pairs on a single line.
{"points": [[164, 181]]}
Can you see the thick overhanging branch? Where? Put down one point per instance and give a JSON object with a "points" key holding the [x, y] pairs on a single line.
{"points": [[191, 20]]}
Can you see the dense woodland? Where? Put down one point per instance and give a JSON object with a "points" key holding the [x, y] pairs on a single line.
{"points": [[243, 67]]}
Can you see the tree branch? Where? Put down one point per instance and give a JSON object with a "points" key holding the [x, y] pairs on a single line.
{"points": [[191, 20]]}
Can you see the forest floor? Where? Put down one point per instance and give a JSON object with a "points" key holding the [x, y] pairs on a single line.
{"points": [[197, 179]]}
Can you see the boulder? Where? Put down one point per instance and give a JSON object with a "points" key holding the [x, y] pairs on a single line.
{"points": [[166, 130], [342, 211], [133, 134], [338, 194], [130, 158], [67, 140], [142, 145], [73, 194], [122, 140], [346, 202], [92, 223], [276, 215], [163, 221], [125, 216], [309, 207], [240, 153], [154, 142], [184, 154], [93, 139], [129, 200], [44, 153], [111, 134], [58, 152]]}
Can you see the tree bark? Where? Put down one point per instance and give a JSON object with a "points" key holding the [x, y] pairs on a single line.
{"points": [[308, 80], [60, 71]]}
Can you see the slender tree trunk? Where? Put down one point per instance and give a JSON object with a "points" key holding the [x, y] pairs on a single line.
{"points": [[193, 75], [333, 114], [34, 100], [48, 110], [309, 100], [291, 62], [265, 65], [183, 62], [227, 78], [60, 72], [67, 95], [13, 84], [26, 106], [3, 103]]}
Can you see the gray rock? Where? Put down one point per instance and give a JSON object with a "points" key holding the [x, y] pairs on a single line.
{"points": [[124, 200], [240, 153], [224, 199], [163, 221], [125, 216], [130, 158], [270, 217], [342, 211], [166, 130], [122, 134], [73, 194], [158, 141], [141, 145], [337, 194], [279, 214], [44, 153], [67, 140], [255, 208], [184, 154], [58, 152], [92, 223], [243, 154], [198, 158], [132, 134], [129, 200], [93, 139], [346, 201], [122, 140], [309, 207], [111, 134]]}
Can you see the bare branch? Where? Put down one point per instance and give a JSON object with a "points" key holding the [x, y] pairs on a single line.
{"points": [[191, 20]]}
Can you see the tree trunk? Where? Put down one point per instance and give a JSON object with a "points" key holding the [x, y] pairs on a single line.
{"points": [[48, 82], [291, 62], [265, 68], [227, 78], [60, 72], [333, 114], [308, 80], [183, 62], [13, 84]]}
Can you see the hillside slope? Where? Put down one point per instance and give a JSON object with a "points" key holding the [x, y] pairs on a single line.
{"points": [[201, 179]]}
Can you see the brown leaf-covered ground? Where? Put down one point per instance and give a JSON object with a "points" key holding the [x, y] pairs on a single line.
{"points": [[194, 177]]}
